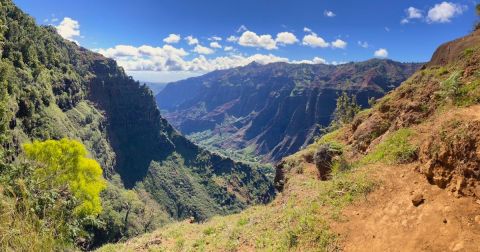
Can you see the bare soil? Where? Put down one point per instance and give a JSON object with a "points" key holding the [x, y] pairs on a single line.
{"points": [[387, 220]]}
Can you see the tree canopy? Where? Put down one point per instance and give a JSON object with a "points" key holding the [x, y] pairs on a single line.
{"points": [[64, 164]]}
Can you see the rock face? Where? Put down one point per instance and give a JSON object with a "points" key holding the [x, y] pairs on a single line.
{"points": [[278, 107], [56, 89]]}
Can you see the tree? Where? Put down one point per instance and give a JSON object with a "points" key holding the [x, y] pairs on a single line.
{"points": [[64, 164], [346, 109]]}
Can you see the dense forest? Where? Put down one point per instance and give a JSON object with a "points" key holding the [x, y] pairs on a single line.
{"points": [[64, 106]]}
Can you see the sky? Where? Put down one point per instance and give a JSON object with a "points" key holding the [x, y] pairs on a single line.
{"points": [[168, 40]]}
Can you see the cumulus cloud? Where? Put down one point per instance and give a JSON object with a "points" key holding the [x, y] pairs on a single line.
{"points": [[147, 58], [232, 39], [286, 38], [191, 40], [215, 38], [412, 13], [172, 39], [215, 45], [306, 29], [251, 39], [170, 59], [228, 48], [444, 12], [381, 53], [329, 13], [203, 50], [313, 40], [69, 29], [363, 44], [339, 44], [316, 60]]}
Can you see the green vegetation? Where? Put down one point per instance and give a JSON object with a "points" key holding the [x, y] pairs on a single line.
{"points": [[347, 108], [294, 222], [50, 199], [213, 142], [52, 89], [63, 164], [395, 149]]}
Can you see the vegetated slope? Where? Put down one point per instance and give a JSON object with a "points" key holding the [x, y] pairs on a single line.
{"points": [[57, 89], [275, 108], [414, 157]]}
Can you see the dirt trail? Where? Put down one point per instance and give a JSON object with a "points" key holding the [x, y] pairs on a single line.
{"points": [[387, 220]]}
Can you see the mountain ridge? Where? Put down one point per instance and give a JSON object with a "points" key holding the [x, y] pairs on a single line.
{"points": [[277, 107]]}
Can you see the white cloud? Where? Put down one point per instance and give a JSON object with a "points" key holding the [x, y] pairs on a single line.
{"points": [[251, 39], [232, 39], [286, 38], [160, 61], [306, 29], [381, 53], [316, 60], [339, 44], [444, 12], [215, 45], [147, 58], [412, 13], [69, 29], [172, 38], [191, 40], [242, 28], [313, 40], [228, 48], [363, 44], [329, 13], [215, 38], [203, 50]]}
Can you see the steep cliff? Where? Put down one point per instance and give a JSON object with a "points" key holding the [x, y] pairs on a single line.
{"points": [[57, 89], [277, 108]]}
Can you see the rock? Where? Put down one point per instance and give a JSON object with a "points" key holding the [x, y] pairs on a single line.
{"points": [[418, 199], [477, 219], [478, 202]]}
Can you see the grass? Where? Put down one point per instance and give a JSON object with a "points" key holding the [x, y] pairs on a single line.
{"points": [[395, 149], [296, 220]]}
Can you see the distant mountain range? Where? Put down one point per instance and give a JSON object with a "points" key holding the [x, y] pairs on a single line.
{"points": [[156, 87], [272, 109]]}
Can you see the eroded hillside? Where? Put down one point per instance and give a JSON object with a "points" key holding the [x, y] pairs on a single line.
{"points": [[272, 110], [403, 176]]}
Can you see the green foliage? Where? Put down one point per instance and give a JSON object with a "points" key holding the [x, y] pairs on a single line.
{"points": [[451, 86], [395, 149], [52, 198], [63, 164], [347, 108], [126, 213]]}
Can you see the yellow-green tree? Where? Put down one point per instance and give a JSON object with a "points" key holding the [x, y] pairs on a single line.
{"points": [[63, 164]]}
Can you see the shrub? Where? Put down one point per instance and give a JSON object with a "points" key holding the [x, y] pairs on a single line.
{"points": [[396, 149], [63, 164]]}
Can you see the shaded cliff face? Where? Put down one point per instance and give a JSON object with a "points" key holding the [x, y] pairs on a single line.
{"points": [[278, 107], [57, 89]]}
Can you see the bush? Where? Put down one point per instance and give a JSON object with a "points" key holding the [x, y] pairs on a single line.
{"points": [[396, 149], [63, 164]]}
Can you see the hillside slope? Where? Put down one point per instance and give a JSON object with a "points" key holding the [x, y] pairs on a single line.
{"points": [[403, 176], [57, 89], [276, 108]]}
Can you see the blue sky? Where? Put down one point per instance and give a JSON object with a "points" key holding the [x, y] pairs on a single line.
{"points": [[162, 41]]}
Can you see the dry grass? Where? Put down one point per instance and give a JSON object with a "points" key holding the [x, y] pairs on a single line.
{"points": [[298, 220]]}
